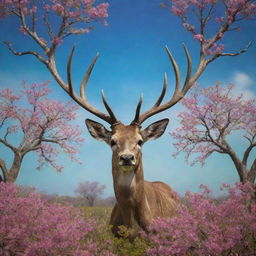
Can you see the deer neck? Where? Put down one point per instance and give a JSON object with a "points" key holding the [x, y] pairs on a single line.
{"points": [[128, 185]]}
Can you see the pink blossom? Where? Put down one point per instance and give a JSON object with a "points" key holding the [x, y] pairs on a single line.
{"points": [[79, 31], [59, 9], [220, 19], [33, 9], [74, 14], [188, 27], [87, 2], [228, 12], [47, 7], [30, 226], [79, 16], [177, 11], [199, 37], [207, 226], [179, 7], [22, 30], [57, 40], [100, 11], [215, 49]]}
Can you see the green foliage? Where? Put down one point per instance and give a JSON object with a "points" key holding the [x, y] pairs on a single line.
{"points": [[103, 235], [123, 247], [99, 213]]}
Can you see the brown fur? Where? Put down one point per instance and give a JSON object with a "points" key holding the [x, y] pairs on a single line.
{"points": [[141, 201], [138, 201]]}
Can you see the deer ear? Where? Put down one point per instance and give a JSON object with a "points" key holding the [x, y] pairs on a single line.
{"points": [[155, 130], [98, 131]]}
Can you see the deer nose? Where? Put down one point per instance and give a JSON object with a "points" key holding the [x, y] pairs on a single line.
{"points": [[127, 159]]}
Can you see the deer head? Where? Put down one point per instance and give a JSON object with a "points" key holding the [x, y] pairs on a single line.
{"points": [[126, 140]]}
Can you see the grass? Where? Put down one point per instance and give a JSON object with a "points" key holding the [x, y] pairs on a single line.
{"points": [[103, 235]]}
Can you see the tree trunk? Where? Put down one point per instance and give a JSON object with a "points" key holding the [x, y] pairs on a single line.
{"points": [[13, 173], [244, 174], [90, 200], [240, 167], [4, 170], [241, 170]]}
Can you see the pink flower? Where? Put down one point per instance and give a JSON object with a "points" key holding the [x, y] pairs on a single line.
{"points": [[33, 9], [220, 19], [22, 30], [31, 226], [57, 40], [177, 11], [59, 9], [199, 37], [100, 11], [47, 7], [207, 226]]}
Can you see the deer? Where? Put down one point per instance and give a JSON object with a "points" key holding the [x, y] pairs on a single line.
{"points": [[138, 201]]}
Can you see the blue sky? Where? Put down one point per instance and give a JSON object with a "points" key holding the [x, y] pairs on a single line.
{"points": [[132, 61]]}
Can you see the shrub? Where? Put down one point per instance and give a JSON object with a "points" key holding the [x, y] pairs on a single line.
{"points": [[204, 226], [30, 226], [103, 236]]}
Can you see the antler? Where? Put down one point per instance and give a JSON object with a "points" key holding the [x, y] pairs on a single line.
{"points": [[81, 100], [178, 93]]}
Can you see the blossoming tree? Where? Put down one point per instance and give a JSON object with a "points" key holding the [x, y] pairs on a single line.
{"points": [[48, 23], [209, 21], [44, 126], [90, 190], [76, 17], [211, 115]]}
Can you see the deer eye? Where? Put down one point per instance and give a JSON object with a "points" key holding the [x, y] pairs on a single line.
{"points": [[140, 142], [112, 143]]}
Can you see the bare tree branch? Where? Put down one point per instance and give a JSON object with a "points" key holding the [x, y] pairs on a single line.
{"points": [[247, 153], [8, 145], [229, 54], [48, 26], [32, 34], [6, 133], [57, 141], [215, 142], [10, 47], [3, 121]]}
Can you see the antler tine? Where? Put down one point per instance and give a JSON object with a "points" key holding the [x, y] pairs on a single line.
{"points": [[82, 101], [108, 108], [177, 95], [162, 93], [176, 70], [69, 78], [86, 77], [137, 114], [189, 70]]}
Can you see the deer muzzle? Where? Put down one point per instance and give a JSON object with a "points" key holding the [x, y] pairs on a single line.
{"points": [[126, 160]]}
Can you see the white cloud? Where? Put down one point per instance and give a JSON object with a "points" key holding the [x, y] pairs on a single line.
{"points": [[243, 84]]}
